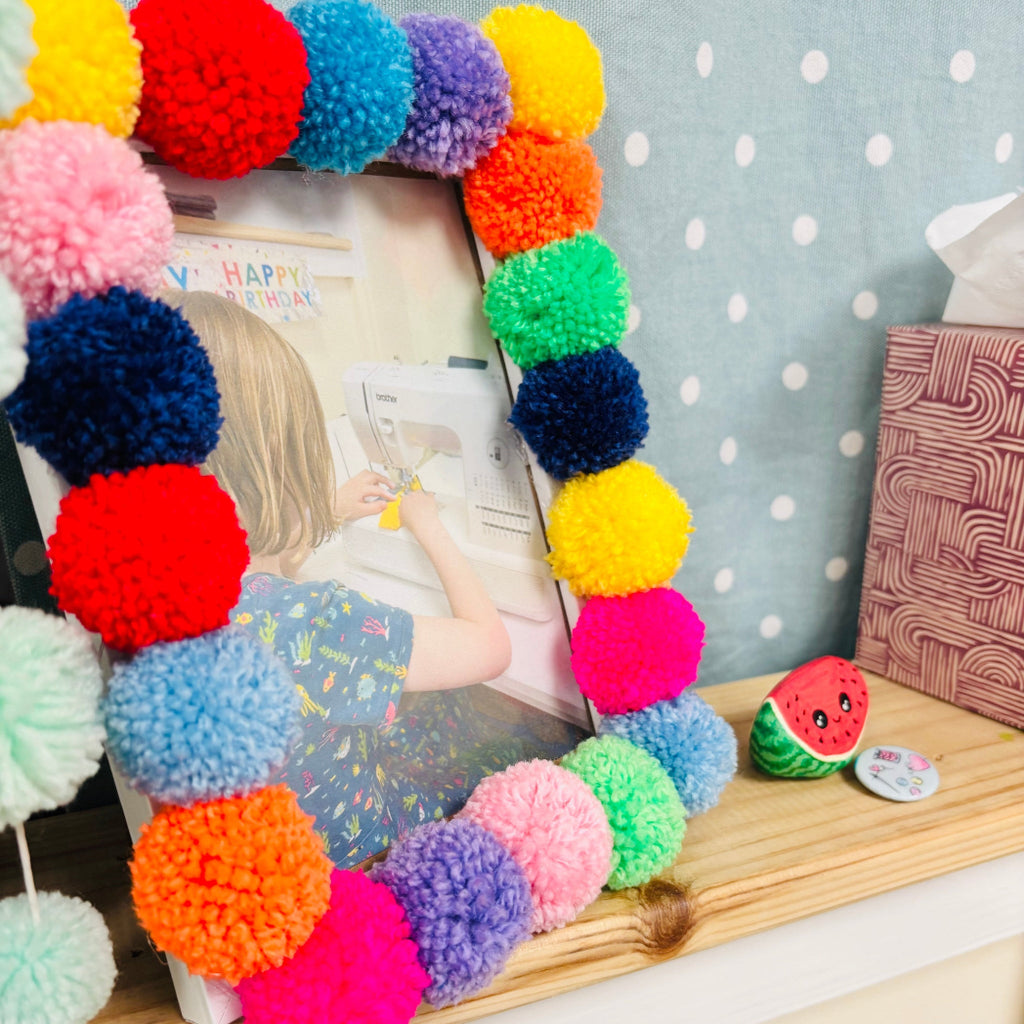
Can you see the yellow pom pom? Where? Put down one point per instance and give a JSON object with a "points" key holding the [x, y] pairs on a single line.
{"points": [[557, 87], [619, 531], [88, 67]]}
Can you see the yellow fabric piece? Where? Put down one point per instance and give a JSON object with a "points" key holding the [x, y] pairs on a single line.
{"points": [[557, 84], [619, 531], [88, 67], [390, 519]]}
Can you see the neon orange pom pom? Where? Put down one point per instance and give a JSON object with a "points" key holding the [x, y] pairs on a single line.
{"points": [[528, 192], [618, 531], [234, 886]]}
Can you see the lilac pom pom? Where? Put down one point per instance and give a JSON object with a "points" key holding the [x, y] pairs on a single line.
{"points": [[694, 745], [202, 718], [462, 102], [467, 900], [554, 826]]}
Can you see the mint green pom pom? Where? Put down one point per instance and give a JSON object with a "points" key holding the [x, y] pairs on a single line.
{"points": [[51, 732], [647, 818], [60, 971], [563, 299], [13, 337]]}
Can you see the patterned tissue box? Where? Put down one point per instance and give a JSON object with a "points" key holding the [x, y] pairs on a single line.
{"points": [[942, 608]]}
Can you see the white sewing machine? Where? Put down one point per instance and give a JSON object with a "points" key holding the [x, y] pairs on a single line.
{"points": [[447, 425]]}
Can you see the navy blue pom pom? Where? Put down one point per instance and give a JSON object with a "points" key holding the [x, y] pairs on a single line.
{"points": [[114, 382], [582, 414]]}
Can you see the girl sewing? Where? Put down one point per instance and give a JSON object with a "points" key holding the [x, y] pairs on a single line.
{"points": [[351, 657]]}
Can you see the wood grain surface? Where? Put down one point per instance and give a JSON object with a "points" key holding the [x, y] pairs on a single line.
{"points": [[774, 850]]}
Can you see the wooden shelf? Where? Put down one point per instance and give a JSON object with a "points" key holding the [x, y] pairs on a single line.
{"points": [[773, 851]]}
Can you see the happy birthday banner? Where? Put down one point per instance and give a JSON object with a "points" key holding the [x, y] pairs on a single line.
{"points": [[276, 286]]}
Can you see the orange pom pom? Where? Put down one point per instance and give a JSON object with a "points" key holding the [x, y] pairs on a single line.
{"points": [[529, 191], [234, 886]]}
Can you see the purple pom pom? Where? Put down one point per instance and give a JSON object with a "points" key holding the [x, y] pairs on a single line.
{"points": [[467, 900], [462, 102]]}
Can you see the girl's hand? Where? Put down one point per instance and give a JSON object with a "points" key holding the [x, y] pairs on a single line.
{"points": [[362, 495], [417, 509]]}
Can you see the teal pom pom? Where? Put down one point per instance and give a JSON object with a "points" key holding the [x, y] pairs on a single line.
{"points": [[361, 84], [51, 735], [647, 818], [694, 745], [565, 298], [60, 971]]}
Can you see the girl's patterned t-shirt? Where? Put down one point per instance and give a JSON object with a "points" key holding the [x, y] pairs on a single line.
{"points": [[349, 656]]}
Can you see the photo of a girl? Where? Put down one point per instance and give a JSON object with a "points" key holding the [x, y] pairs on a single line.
{"points": [[396, 728]]}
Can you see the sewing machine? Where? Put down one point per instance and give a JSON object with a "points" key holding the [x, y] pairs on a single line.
{"points": [[447, 425]]}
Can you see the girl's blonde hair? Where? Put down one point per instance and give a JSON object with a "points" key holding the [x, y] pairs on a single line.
{"points": [[273, 456]]}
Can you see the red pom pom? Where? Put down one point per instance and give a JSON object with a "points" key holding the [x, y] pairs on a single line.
{"points": [[628, 652], [223, 84], [154, 554], [529, 191]]}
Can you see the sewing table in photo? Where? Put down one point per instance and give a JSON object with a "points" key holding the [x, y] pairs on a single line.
{"points": [[774, 851]]}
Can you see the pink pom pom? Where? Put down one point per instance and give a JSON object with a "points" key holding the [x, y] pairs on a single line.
{"points": [[358, 966], [78, 213], [630, 651], [555, 828]]}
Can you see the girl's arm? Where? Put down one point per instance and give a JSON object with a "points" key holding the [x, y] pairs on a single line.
{"points": [[473, 645]]}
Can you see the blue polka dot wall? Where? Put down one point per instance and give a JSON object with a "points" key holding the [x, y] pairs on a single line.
{"points": [[767, 184]]}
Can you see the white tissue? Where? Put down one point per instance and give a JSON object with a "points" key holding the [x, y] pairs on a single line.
{"points": [[983, 244]]}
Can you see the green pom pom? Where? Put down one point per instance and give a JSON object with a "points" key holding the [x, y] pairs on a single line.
{"points": [[563, 299], [51, 733], [647, 818]]}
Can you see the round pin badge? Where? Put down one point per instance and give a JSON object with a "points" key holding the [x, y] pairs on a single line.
{"points": [[897, 773]]}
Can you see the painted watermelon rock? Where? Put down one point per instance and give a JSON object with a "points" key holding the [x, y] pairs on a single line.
{"points": [[811, 722]]}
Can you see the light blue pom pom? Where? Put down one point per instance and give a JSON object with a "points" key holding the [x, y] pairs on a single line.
{"points": [[694, 745], [13, 336], [60, 971], [200, 719], [361, 87], [51, 732]]}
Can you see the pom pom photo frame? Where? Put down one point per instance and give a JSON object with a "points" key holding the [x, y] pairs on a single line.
{"points": [[288, 461]]}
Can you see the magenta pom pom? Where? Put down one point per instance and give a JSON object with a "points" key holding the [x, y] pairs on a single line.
{"points": [[630, 651], [555, 828], [359, 965], [78, 213]]}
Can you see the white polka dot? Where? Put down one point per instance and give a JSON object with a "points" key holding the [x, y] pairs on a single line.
{"points": [[794, 376], [724, 580], [865, 305], [745, 150], [695, 233], [878, 150], [727, 451], [961, 67], [689, 390], [637, 149], [771, 627], [30, 558], [851, 443], [633, 319], [705, 59], [783, 507], [737, 308], [814, 66], [805, 229], [836, 568], [1004, 148]]}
